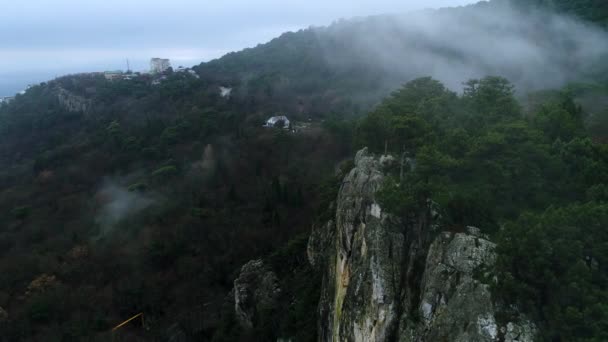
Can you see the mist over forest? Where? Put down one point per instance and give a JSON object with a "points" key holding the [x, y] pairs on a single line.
{"points": [[436, 175], [534, 49], [365, 59]]}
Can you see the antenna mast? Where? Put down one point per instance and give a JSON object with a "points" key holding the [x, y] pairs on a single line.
{"points": [[128, 66]]}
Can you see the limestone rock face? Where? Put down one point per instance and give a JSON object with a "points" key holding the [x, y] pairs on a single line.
{"points": [[41, 284], [320, 242], [453, 304], [390, 280], [72, 102], [255, 290], [360, 297]]}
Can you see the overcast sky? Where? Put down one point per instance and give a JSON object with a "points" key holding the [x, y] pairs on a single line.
{"points": [[43, 38]]}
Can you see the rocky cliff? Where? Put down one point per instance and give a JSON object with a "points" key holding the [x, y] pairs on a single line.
{"points": [[255, 291], [72, 102], [388, 278]]}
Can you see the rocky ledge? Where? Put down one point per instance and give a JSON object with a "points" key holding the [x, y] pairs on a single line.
{"points": [[390, 280]]}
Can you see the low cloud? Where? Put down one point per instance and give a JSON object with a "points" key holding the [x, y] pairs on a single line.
{"points": [[116, 203], [535, 50]]}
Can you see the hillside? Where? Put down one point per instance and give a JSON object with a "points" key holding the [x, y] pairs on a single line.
{"points": [[148, 200], [595, 11], [462, 219], [351, 65], [149, 194]]}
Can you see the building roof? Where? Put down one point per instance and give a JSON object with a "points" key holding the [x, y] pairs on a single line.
{"points": [[273, 120]]}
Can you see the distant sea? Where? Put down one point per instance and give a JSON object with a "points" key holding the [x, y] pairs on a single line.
{"points": [[12, 82]]}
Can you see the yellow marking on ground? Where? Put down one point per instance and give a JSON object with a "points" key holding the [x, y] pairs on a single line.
{"points": [[141, 314]]}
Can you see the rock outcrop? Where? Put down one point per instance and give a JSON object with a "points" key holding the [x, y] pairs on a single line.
{"points": [[320, 242], [72, 102], [41, 284], [393, 279], [255, 290], [454, 305]]}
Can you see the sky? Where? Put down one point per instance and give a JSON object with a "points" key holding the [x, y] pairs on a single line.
{"points": [[41, 39]]}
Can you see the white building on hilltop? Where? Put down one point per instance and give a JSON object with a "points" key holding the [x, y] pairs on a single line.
{"points": [[113, 75], [159, 65]]}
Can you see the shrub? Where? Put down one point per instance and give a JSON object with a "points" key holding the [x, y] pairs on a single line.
{"points": [[22, 212], [165, 172], [140, 186]]}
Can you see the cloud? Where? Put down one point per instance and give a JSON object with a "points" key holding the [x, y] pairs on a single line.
{"points": [[534, 50], [116, 204], [67, 32]]}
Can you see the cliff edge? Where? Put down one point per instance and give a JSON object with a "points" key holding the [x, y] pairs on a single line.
{"points": [[387, 278]]}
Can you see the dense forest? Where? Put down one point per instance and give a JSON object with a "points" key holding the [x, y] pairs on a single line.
{"points": [[155, 193], [151, 197], [593, 10], [349, 66], [536, 183]]}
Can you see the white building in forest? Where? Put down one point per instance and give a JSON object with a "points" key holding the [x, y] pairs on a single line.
{"points": [[113, 75], [275, 121], [6, 99], [225, 91]]}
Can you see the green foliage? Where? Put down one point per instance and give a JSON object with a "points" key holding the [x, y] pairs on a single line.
{"points": [[397, 198], [403, 122], [22, 212], [373, 131], [598, 125], [40, 308], [228, 329], [490, 100], [598, 193], [300, 287], [562, 119], [113, 129], [552, 264], [593, 10], [161, 254], [486, 169], [327, 191], [140, 186], [481, 156], [476, 155], [210, 167], [164, 172]]}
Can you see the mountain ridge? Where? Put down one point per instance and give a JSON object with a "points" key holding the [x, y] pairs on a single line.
{"points": [[371, 56], [129, 196]]}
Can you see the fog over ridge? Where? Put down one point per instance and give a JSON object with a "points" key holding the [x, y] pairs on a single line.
{"points": [[534, 50], [45, 38]]}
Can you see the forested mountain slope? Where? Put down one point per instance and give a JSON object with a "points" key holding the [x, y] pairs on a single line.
{"points": [[129, 196], [463, 219], [145, 202], [592, 10], [352, 64]]}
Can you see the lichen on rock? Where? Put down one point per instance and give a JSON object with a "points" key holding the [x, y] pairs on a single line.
{"points": [[255, 290], [391, 279], [72, 102]]}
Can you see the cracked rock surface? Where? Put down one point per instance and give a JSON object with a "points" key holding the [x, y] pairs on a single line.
{"points": [[389, 280]]}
